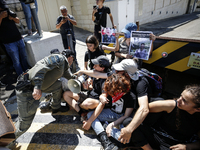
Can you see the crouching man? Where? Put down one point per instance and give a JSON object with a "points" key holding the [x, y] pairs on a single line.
{"points": [[43, 77]]}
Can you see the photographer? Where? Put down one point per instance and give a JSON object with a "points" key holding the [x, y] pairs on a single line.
{"points": [[65, 23], [11, 38], [99, 17]]}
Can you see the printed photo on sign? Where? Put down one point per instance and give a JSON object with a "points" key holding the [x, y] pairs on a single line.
{"points": [[108, 35], [140, 44]]}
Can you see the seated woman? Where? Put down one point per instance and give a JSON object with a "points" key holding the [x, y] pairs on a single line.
{"points": [[95, 50], [178, 128], [124, 44], [120, 104]]}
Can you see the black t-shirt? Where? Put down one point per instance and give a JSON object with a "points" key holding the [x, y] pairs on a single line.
{"points": [[66, 28], [92, 55], [141, 88], [189, 125], [9, 32], [103, 21], [126, 101], [97, 88]]}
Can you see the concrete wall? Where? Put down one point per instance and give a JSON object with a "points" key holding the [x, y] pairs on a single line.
{"points": [[152, 10], [125, 11], [48, 12]]}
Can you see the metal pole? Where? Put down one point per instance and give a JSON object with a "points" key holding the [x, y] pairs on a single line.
{"points": [[70, 42], [33, 11]]}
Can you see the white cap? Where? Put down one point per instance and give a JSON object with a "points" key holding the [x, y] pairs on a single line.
{"points": [[128, 65]]}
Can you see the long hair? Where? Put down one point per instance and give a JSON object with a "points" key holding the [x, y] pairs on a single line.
{"points": [[92, 40], [195, 91], [116, 83]]}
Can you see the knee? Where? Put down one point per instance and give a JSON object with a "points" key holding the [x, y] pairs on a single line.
{"points": [[89, 104]]}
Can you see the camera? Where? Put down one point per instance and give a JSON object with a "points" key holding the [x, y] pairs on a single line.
{"points": [[10, 12], [95, 6]]}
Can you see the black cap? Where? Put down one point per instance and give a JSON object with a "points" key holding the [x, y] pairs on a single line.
{"points": [[101, 60], [67, 53], [3, 4]]}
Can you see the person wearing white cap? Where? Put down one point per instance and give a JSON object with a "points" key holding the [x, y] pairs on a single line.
{"points": [[140, 87]]}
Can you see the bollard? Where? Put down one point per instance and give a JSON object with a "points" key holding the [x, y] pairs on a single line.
{"points": [[70, 42]]}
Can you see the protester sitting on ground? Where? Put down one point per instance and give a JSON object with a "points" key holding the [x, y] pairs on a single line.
{"points": [[42, 77], [124, 43], [95, 50], [90, 100], [140, 88], [179, 126], [12, 39], [119, 106]]}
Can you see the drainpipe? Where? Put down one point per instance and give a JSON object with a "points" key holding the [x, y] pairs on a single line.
{"points": [[188, 7]]}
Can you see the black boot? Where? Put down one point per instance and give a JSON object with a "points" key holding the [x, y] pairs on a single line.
{"points": [[105, 142]]}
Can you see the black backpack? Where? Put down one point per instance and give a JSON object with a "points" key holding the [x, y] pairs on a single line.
{"points": [[154, 80]]}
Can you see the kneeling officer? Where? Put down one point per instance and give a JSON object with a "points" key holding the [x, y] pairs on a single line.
{"points": [[43, 77]]}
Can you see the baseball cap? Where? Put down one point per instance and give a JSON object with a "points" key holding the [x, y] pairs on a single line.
{"points": [[3, 4], [128, 65], [68, 53], [128, 28], [101, 60]]}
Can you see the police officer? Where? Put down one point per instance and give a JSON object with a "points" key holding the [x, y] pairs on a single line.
{"points": [[43, 77]]}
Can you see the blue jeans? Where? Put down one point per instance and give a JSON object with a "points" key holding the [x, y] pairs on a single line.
{"points": [[27, 13], [105, 115], [17, 52]]}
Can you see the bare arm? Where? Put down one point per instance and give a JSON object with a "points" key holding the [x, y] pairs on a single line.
{"points": [[118, 121], [111, 19], [94, 11], [113, 49], [139, 117], [16, 20], [3, 14], [97, 111], [85, 66], [60, 24], [189, 146], [159, 106], [71, 20], [153, 38], [92, 73]]}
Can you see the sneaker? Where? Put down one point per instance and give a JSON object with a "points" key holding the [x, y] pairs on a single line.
{"points": [[30, 33], [61, 109], [45, 106]]}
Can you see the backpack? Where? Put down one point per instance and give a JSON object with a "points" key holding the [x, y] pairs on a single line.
{"points": [[154, 80]]}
